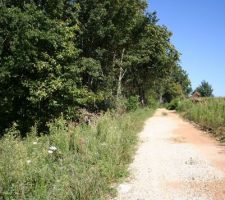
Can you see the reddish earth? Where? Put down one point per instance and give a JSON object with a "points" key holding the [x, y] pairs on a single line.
{"points": [[213, 150], [175, 161]]}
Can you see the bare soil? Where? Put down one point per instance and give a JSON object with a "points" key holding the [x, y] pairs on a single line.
{"points": [[175, 161]]}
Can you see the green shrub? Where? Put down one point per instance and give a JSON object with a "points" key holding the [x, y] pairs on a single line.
{"points": [[120, 105], [174, 104], [133, 103], [152, 102]]}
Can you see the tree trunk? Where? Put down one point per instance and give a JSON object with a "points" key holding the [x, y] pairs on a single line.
{"points": [[119, 86], [121, 75]]}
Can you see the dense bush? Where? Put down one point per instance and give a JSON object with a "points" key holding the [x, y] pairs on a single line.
{"points": [[152, 102], [132, 103], [174, 104]]}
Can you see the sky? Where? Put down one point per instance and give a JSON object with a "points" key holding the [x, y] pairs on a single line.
{"points": [[198, 28]]}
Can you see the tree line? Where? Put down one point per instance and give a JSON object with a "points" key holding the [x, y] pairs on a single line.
{"points": [[59, 56]]}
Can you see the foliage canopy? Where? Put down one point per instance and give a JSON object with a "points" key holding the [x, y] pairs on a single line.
{"points": [[205, 89], [59, 56]]}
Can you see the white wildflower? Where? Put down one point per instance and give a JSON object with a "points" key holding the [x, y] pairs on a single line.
{"points": [[28, 161], [52, 148], [34, 143], [50, 151]]}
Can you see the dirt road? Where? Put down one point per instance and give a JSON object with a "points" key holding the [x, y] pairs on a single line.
{"points": [[175, 161]]}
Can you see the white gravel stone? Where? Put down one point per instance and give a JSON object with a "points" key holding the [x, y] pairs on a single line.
{"points": [[160, 162]]}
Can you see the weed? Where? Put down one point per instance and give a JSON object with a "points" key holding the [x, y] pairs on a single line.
{"points": [[72, 162], [209, 113]]}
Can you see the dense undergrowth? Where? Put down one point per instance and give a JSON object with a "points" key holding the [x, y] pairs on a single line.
{"points": [[209, 113], [71, 162]]}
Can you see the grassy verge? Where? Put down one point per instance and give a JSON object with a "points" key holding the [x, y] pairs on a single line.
{"points": [[71, 163], [209, 113]]}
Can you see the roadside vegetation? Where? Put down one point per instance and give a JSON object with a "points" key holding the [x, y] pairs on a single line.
{"points": [[209, 113], [58, 57], [62, 62], [70, 163]]}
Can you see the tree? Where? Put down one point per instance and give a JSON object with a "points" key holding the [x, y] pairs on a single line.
{"points": [[59, 56], [106, 35], [177, 85], [205, 89], [155, 65], [41, 77]]}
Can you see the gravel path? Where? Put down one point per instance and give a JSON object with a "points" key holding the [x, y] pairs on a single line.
{"points": [[175, 161]]}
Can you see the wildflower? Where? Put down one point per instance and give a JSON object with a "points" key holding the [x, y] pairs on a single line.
{"points": [[52, 148], [50, 151], [28, 161], [34, 143]]}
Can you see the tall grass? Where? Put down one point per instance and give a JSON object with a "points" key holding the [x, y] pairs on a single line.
{"points": [[72, 162], [209, 113]]}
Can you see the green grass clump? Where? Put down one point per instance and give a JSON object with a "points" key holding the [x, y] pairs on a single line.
{"points": [[174, 104], [72, 162], [208, 112]]}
